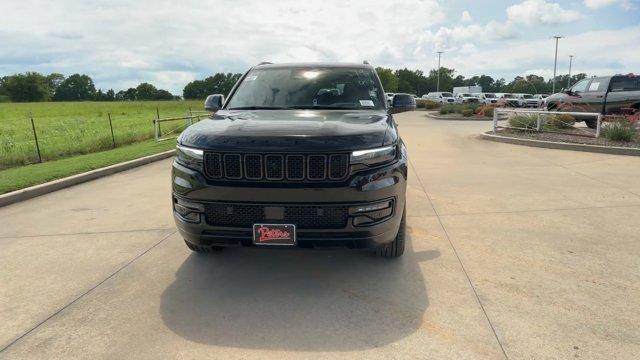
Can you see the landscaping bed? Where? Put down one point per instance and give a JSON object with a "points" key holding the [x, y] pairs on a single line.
{"points": [[568, 136]]}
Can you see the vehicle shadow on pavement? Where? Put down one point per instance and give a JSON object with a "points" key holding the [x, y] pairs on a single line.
{"points": [[303, 300]]}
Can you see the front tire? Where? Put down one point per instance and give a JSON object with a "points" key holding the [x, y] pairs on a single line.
{"points": [[202, 249], [395, 248]]}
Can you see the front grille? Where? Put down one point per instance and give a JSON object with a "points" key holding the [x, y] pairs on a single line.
{"points": [[276, 167], [303, 216]]}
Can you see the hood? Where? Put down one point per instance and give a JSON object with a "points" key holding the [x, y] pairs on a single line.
{"points": [[287, 130]]}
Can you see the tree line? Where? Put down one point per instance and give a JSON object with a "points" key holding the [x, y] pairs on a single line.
{"points": [[416, 82], [33, 87]]}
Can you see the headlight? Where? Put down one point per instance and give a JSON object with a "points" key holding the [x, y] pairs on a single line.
{"points": [[374, 156], [189, 157]]}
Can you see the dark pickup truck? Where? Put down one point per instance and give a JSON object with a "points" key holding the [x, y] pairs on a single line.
{"points": [[606, 95]]}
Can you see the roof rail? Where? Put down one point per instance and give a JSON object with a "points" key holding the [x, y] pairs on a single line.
{"points": [[265, 63]]}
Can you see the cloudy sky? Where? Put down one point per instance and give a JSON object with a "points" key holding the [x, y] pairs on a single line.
{"points": [[169, 43]]}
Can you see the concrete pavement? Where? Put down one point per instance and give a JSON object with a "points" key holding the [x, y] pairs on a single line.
{"points": [[513, 252]]}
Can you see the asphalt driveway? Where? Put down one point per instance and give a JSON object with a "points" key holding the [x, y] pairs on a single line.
{"points": [[513, 252]]}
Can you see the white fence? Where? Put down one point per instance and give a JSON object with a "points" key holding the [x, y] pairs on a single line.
{"points": [[500, 114]]}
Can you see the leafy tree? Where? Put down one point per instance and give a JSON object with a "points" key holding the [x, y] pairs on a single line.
{"points": [[162, 94], [146, 91], [126, 95], [55, 79], [446, 79], [75, 88], [412, 81], [487, 83], [388, 79], [110, 95], [30, 86], [220, 83]]}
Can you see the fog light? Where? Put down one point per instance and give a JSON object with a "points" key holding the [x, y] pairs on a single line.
{"points": [[188, 211], [370, 207]]}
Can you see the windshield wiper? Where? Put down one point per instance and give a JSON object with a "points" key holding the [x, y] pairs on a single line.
{"points": [[258, 108]]}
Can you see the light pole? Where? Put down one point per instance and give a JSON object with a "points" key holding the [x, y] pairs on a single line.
{"points": [[555, 64], [569, 79], [438, 83]]}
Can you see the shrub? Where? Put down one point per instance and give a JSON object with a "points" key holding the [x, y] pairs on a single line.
{"points": [[524, 121], [623, 130], [485, 111], [564, 121], [429, 104], [447, 109], [473, 106], [467, 112]]}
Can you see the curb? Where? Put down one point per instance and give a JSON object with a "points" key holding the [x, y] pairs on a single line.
{"points": [[615, 150], [41, 189], [470, 118]]}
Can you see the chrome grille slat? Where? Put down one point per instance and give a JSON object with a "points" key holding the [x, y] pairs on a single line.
{"points": [[276, 167]]}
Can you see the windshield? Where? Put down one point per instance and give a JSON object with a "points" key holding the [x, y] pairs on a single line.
{"points": [[308, 88], [447, 94], [466, 95], [527, 96], [489, 95]]}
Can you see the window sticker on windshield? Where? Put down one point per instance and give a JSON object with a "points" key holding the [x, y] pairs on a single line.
{"points": [[594, 86], [366, 103], [251, 78]]}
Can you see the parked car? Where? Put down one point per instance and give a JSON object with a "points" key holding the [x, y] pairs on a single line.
{"points": [[540, 98], [510, 100], [465, 98], [318, 163], [389, 97], [406, 101], [606, 95], [526, 100], [487, 98], [441, 97]]}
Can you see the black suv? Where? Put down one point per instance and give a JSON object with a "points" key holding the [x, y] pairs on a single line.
{"points": [[303, 155]]}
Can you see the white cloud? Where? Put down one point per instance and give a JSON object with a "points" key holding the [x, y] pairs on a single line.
{"points": [[466, 17], [597, 4], [121, 43], [540, 12], [117, 40], [536, 57]]}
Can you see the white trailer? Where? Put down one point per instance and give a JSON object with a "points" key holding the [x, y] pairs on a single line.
{"points": [[467, 89]]}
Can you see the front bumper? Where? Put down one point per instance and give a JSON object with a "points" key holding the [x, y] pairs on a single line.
{"points": [[385, 183]]}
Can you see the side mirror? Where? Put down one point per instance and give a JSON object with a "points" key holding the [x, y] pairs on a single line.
{"points": [[214, 102], [402, 103]]}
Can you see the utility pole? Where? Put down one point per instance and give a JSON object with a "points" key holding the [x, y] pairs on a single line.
{"points": [[569, 79], [555, 64], [438, 84]]}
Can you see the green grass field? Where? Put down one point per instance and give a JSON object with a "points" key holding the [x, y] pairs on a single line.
{"points": [[66, 129], [24, 176]]}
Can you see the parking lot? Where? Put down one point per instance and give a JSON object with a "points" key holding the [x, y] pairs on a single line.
{"points": [[513, 252]]}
